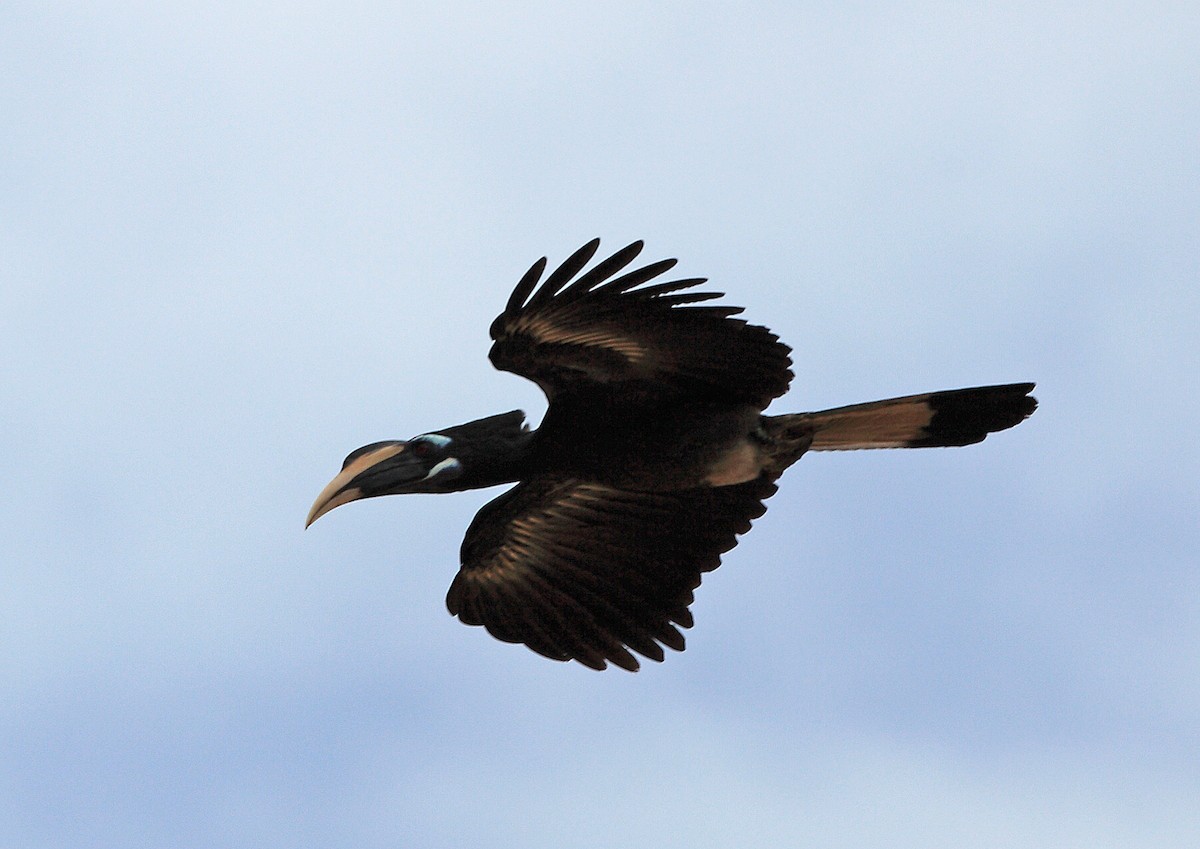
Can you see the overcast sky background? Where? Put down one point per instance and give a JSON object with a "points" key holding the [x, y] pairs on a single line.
{"points": [[240, 240]]}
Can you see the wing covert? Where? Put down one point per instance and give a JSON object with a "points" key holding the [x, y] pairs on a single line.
{"points": [[574, 333], [580, 571]]}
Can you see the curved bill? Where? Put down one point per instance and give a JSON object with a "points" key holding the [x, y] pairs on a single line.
{"points": [[346, 486]]}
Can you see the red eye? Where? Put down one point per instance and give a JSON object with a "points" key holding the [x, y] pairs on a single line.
{"points": [[420, 448]]}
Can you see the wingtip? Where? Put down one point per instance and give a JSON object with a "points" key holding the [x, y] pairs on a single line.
{"points": [[632, 249], [524, 286]]}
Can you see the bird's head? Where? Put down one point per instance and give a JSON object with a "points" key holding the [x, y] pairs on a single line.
{"points": [[467, 456]]}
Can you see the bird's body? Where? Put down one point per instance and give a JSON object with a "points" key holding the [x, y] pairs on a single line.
{"points": [[653, 455], [645, 446]]}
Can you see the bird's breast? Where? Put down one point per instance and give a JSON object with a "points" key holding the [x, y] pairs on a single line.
{"points": [[665, 447]]}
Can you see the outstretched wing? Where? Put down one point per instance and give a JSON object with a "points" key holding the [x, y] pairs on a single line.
{"points": [[577, 333], [579, 571]]}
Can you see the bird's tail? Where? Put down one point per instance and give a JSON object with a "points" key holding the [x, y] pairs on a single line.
{"points": [[953, 417]]}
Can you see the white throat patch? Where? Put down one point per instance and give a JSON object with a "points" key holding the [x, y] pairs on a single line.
{"points": [[448, 463]]}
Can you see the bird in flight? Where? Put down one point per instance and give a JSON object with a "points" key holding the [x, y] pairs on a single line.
{"points": [[653, 456]]}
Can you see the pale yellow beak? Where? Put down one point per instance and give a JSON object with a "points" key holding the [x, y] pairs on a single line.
{"points": [[339, 491]]}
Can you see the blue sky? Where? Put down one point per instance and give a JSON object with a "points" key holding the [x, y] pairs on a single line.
{"points": [[240, 240]]}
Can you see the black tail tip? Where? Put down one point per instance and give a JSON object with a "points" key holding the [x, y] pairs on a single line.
{"points": [[967, 416]]}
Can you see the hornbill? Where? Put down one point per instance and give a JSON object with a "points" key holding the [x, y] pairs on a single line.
{"points": [[653, 455]]}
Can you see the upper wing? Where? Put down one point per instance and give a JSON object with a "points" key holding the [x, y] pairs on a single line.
{"points": [[597, 329], [584, 572]]}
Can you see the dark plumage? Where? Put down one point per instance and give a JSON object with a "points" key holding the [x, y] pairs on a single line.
{"points": [[653, 456]]}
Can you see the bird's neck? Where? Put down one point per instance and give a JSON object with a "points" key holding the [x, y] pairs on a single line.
{"points": [[506, 462]]}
